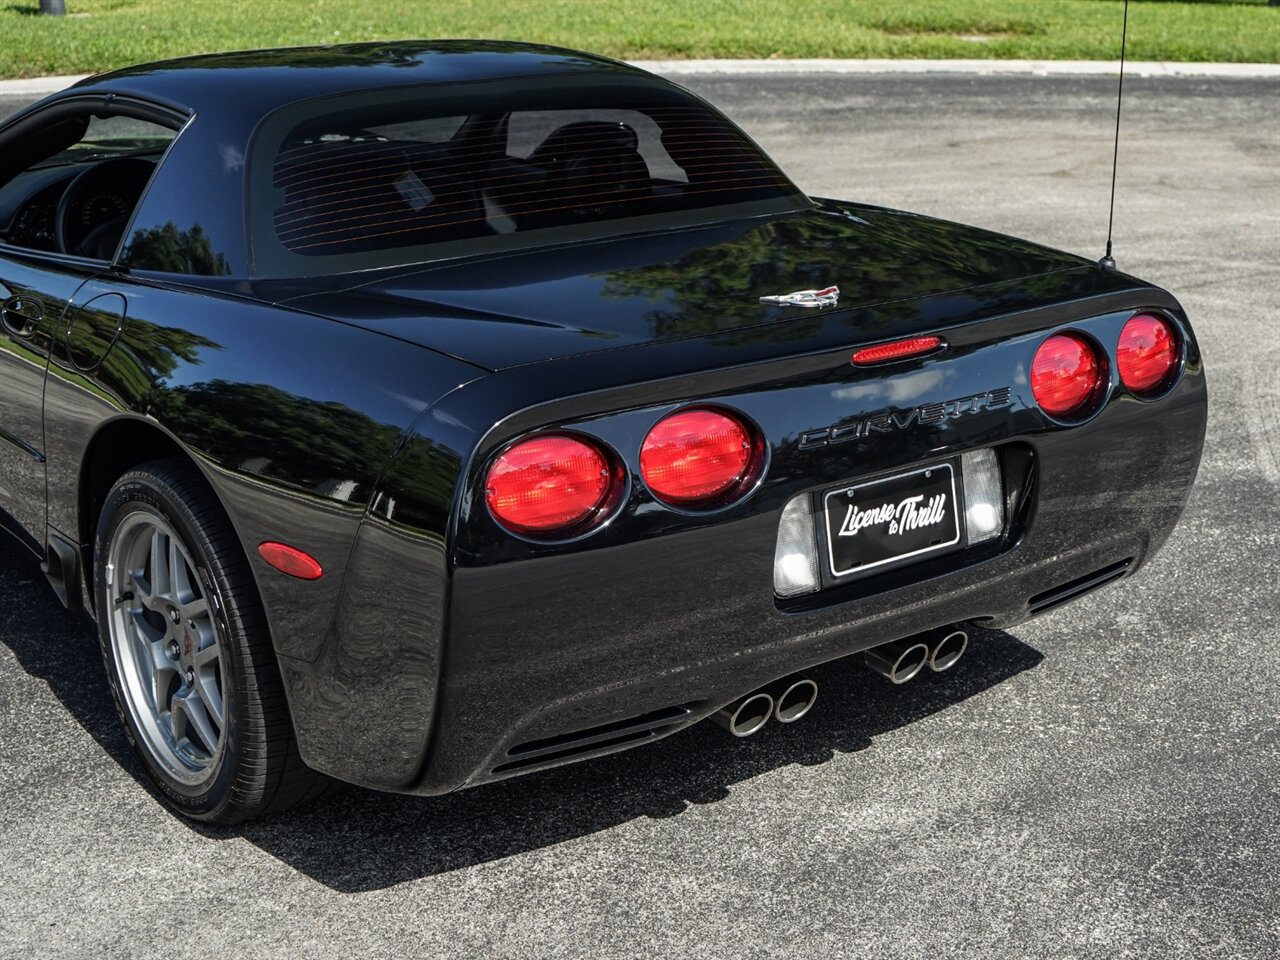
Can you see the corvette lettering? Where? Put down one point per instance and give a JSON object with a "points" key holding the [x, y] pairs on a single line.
{"points": [[905, 515], [889, 420]]}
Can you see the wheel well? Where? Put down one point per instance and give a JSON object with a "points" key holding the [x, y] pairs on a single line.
{"points": [[116, 449]]}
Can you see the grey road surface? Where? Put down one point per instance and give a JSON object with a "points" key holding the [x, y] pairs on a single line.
{"points": [[1101, 782]]}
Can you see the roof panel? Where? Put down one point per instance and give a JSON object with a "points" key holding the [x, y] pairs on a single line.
{"points": [[263, 80]]}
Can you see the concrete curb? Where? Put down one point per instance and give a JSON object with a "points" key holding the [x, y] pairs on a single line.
{"points": [[36, 86], [1081, 68], [42, 86]]}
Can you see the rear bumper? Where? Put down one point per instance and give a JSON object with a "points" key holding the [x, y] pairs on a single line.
{"points": [[684, 668], [567, 657]]}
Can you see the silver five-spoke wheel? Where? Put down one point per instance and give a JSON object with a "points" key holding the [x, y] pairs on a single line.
{"points": [[188, 650], [165, 644]]}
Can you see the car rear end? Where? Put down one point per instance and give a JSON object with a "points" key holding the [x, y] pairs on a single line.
{"points": [[724, 431], [650, 533]]}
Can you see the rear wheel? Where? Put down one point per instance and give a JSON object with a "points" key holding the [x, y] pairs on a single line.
{"points": [[188, 653]]}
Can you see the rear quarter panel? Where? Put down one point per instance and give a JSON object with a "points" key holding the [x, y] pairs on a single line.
{"points": [[292, 419]]}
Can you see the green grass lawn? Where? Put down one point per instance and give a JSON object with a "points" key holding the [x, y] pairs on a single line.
{"points": [[101, 34]]}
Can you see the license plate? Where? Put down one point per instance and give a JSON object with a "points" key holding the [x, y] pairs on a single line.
{"points": [[889, 520]]}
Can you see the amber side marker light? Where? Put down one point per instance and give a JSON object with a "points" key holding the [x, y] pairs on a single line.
{"points": [[897, 350], [291, 560]]}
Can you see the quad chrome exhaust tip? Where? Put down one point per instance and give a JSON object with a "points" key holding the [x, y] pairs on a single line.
{"points": [[946, 646], [901, 660], [785, 700], [746, 715], [793, 697]]}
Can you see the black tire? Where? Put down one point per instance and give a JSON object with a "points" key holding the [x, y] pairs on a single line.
{"points": [[255, 768]]}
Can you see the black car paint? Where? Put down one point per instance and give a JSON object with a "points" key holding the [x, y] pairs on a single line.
{"points": [[354, 417], [547, 304]]}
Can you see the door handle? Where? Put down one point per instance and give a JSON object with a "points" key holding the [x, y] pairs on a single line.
{"points": [[21, 316]]}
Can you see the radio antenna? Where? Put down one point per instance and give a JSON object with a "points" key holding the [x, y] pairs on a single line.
{"points": [[1108, 262]]}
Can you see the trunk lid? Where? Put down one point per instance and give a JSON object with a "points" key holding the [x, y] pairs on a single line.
{"points": [[555, 303]]}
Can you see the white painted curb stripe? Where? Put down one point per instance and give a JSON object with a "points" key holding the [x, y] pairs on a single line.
{"points": [[42, 86]]}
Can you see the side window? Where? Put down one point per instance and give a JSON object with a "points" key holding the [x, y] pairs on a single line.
{"points": [[69, 184]]}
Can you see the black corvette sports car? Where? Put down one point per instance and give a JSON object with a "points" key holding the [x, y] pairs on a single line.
{"points": [[426, 413]]}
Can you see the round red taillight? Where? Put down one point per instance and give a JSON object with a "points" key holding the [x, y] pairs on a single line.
{"points": [[698, 458], [1147, 354], [1066, 376], [547, 485]]}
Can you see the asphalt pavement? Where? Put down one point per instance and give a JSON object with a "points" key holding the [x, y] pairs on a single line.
{"points": [[1100, 782]]}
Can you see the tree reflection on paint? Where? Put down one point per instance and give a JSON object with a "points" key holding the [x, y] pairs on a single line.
{"points": [[874, 256], [320, 446], [171, 250]]}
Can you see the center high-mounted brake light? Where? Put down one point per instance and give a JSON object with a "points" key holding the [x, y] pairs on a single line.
{"points": [[897, 350], [549, 484], [699, 458]]}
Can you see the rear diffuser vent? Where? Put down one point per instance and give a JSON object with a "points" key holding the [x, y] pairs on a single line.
{"points": [[634, 730], [1078, 587]]}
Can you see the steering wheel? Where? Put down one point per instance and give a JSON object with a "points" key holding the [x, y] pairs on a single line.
{"points": [[116, 184]]}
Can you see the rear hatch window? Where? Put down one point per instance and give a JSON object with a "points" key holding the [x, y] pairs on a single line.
{"points": [[387, 178]]}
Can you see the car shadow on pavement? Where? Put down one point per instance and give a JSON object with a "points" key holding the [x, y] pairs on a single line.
{"points": [[360, 840], [60, 648]]}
